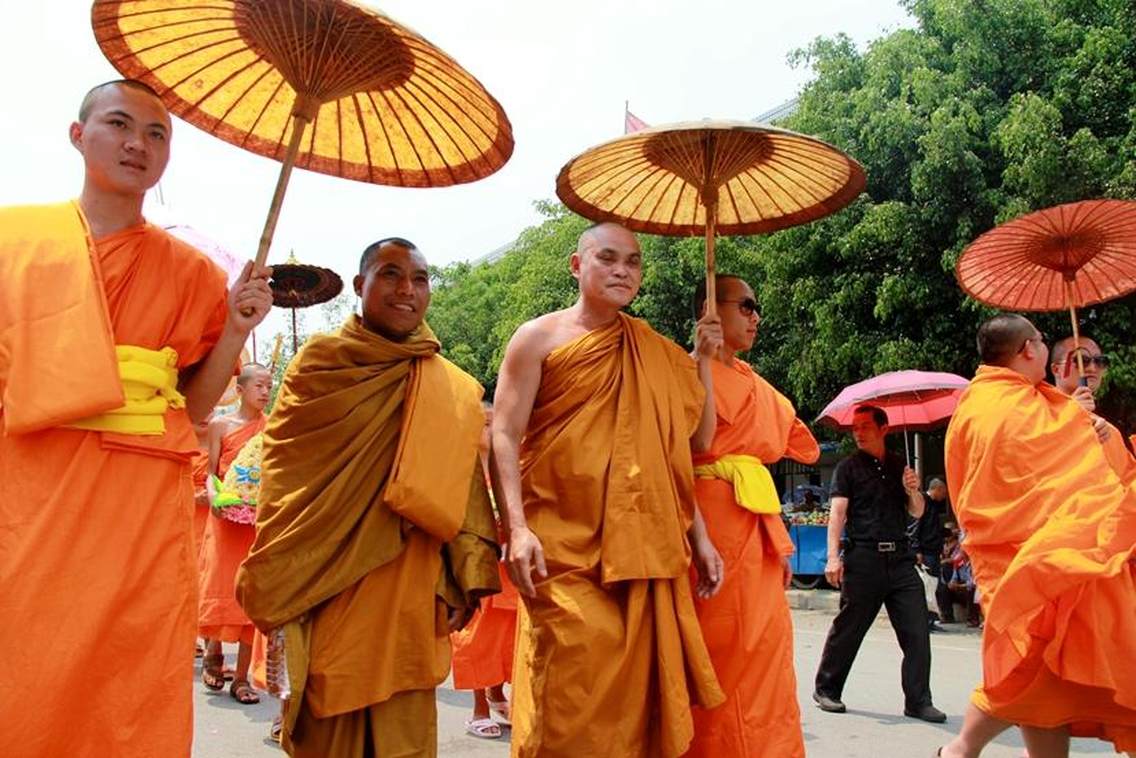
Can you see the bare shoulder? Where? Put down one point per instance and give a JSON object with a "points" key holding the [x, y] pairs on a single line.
{"points": [[535, 339]]}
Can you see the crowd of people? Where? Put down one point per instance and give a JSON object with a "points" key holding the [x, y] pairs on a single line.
{"points": [[614, 519]]}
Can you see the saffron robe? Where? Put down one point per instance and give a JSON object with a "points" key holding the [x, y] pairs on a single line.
{"points": [[747, 625], [609, 653], [199, 472], [484, 650], [372, 524], [224, 546], [98, 579], [1051, 533]]}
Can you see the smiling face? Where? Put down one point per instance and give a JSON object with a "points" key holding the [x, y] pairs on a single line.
{"points": [[608, 265], [124, 140], [395, 290], [1063, 364]]}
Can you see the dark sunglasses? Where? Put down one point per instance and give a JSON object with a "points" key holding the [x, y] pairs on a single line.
{"points": [[1100, 361], [748, 306]]}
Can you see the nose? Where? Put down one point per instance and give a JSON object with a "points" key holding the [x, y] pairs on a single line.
{"points": [[405, 286]]}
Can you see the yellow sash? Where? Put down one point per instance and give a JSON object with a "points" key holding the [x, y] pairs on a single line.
{"points": [[149, 382], [753, 486]]}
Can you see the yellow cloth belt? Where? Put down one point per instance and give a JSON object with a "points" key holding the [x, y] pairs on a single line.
{"points": [[149, 383], [753, 486]]}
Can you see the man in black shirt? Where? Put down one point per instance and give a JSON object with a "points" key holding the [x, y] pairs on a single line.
{"points": [[873, 495]]}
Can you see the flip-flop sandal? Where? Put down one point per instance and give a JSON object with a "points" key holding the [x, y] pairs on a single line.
{"points": [[486, 729], [500, 709], [211, 675], [228, 672], [243, 693]]}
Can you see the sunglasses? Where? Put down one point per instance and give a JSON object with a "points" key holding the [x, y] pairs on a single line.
{"points": [[747, 306], [1100, 361]]}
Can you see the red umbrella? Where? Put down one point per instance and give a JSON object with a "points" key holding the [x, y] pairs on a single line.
{"points": [[915, 401], [1061, 258]]}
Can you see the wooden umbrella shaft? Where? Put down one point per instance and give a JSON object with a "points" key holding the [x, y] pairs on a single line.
{"points": [[711, 282], [1076, 332], [299, 127]]}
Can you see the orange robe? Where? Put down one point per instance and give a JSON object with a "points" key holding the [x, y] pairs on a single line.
{"points": [[609, 653], [1051, 533], [224, 546], [97, 574], [483, 651], [747, 625], [199, 472], [1119, 456], [371, 525]]}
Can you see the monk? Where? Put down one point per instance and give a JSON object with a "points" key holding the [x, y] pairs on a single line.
{"points": [[114, 338], [747, 625], [594, 413], [375, 534], [483, 651], [1063, 365], [226, 543], [1051, 533]]}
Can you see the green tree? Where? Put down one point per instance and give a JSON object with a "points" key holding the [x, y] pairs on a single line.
{"points": [[984, 111]]}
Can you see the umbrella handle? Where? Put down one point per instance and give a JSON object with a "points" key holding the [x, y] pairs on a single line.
{"points": [[711, 281], [1076, 334], [299, 127]]}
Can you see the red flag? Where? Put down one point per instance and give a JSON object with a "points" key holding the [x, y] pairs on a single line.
{"points": [[632, 123]]}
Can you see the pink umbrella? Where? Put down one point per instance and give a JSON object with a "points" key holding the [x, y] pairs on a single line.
{"points": [[219, 254], [915, 401]]}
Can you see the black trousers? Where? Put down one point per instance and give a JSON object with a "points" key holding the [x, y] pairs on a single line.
{"points": [[872, 580]]}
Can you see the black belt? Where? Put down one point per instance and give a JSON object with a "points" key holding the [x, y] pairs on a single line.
{"points": [[893, 546]]}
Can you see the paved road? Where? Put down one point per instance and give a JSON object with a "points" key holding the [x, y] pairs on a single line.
{"points": [[873, 727]]}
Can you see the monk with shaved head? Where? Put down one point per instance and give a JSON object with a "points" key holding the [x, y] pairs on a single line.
{"points": [[226, 543], [1051, 533], [116, 338], [594, 416]]}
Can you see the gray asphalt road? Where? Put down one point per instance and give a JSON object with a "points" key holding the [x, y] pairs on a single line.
{"points": [[873, 727]]}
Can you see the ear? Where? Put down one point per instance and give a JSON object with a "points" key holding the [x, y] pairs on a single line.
{"points": [[358, 283], [574, 264], [75, 134]]}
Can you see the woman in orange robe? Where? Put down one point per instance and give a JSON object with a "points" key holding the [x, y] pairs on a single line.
{"points": [[747, 625]]}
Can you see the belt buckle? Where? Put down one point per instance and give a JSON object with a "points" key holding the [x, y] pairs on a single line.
{"points": [[885, 547]]}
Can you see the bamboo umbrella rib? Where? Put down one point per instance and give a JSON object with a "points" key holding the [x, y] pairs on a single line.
{"points": [[632, 183], [201, 69], [733, 203], [403, 124], [450, 130], [263, 110], [414, 113], [742, 182], [218, 86], [441, 93], [789, 167], [339, 135], [386, 138], [671, 179], [309, 135], [611, 180], [780, 209], [363, 133]]}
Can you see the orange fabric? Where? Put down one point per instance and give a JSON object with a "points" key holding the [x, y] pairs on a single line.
{"points": [[483, 651], [1051, 532], [1119, 456], [747, 625], [199, 472], [362, 593], [609, 653], [224, 546], [97, 573]]}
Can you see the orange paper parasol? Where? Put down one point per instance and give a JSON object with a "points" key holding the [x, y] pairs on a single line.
{"points": [[384, 105], [710, 177], [1061, 258]]}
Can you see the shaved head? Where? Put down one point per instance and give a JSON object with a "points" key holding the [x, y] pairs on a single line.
{"points": [[249, 371], [594, 236], [93, 94], [1001, 337]]}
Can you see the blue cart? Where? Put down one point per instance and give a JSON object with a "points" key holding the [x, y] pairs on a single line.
{"points": [[811, 553]]}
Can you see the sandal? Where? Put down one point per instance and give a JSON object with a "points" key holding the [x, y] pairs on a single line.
{"points": [[486, 729], [276, 728], [211, 675], [243, 693], [500, 709]]}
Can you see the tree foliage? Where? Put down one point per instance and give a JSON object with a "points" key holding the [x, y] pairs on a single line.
{"points": [[984, 111]]}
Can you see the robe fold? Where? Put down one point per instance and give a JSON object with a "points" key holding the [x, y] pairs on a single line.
{"points": [[199, 472], [98, 580], [747, 625], [609, 653], [1051, 533], [484, 650], [224, 546], [362, 592]]}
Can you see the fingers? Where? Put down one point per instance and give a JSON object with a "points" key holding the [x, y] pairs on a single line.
{"points": [[538, 560], [521, 572]]}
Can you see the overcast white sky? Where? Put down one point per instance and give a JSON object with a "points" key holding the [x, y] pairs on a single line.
{"points": [[561, 71]]}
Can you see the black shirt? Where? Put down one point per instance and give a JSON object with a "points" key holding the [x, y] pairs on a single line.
{"points": [[877, 500], [929, 536]]}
